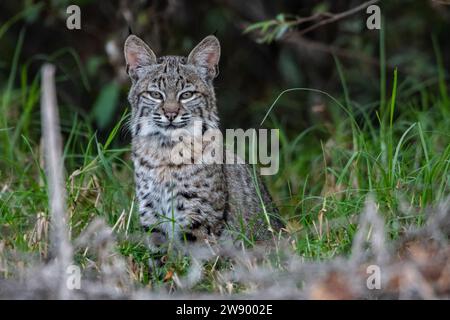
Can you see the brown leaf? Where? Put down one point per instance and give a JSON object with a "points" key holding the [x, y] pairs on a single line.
{"points": [[168, 276]]}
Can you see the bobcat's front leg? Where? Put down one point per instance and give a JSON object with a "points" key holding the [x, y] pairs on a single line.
{"points": [[156, 240]]}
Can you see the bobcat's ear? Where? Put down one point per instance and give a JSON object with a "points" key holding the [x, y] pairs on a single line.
{"points": [[206, 56], [137, 55]]}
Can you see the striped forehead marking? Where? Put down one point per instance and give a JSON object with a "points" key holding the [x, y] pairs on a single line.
{"points": [[170, 73]]}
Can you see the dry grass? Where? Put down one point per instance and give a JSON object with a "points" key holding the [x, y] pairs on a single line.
{"points": [[415, 266]]}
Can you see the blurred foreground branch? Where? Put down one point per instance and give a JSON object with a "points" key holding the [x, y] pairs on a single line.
{"points": [[61, 248]]}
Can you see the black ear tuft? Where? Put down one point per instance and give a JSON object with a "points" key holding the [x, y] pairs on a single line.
{"points": [[130, 32], [215, 33]]}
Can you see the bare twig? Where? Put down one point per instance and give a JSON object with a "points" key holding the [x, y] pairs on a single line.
{"points": [[295, 36], [334, 17], [296, 39], [61, 248]]}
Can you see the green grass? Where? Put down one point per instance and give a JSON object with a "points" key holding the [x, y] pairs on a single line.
{"points": [[397, 149]]}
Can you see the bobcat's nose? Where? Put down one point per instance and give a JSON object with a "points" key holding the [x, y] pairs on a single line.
{"points": [[171, 111], [171, 115]]}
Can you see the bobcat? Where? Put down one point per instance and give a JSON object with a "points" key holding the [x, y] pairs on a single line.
{"points": [[187, 202]]}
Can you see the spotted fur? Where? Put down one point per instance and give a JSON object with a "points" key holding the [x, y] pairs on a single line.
{"points": [[184, 202]]}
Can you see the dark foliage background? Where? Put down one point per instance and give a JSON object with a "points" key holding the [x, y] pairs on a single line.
{"points": [[251, 74]]}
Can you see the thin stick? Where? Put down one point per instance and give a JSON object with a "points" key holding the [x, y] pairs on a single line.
{"points": [[61, 248], [338, 16]]}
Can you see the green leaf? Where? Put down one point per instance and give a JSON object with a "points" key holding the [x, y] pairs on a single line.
{"points": [[105, 105], [263, 25], [281, 30], [280, 17], [321, 8]]}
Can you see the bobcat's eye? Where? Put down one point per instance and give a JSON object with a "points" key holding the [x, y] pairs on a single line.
{"points": [[155, 95], [186, 95]]}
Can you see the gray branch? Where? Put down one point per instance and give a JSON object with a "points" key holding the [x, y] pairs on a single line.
{"points": [[52, 143]]}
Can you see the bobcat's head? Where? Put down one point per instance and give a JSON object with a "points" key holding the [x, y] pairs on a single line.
{"points": [[171, 92]]}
